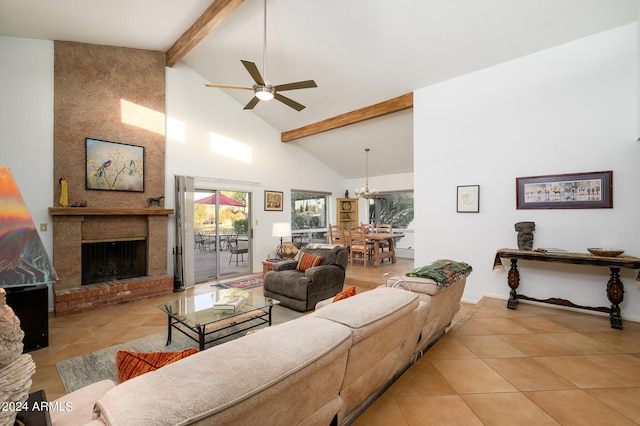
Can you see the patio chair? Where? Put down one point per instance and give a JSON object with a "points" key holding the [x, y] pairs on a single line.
{"points": [[237, 249]]}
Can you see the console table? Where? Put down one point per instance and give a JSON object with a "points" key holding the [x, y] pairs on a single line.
{"points": [[615, 288]]}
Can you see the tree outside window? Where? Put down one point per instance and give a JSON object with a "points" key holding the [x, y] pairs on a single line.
{"points": [[309, 216]]}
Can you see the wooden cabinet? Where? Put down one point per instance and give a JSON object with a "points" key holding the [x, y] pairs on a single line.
{"points": [[347, 213]]}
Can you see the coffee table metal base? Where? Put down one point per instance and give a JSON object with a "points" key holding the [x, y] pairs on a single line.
{"points": [[257, 318]]}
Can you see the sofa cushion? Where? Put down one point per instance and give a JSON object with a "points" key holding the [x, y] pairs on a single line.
{"points": [[370, 311], [346, 293], [132, 364], [416, 284], [308, 260]]}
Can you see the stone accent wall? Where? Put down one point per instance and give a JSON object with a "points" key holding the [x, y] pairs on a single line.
{"points": [[93, 85], [113, 94]]}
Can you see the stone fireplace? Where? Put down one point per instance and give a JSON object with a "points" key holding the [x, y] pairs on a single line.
{"points": [[74, 228], [113, 94], [113, 260]]}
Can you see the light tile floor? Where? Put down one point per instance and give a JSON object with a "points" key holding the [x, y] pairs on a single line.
{"points": [[534, 365]]}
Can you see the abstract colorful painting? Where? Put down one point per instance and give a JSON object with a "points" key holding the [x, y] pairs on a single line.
{"points": [[113, 166], [23, 259]]}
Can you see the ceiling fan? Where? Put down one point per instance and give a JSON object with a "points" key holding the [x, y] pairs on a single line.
{"points": [[263, 90]]}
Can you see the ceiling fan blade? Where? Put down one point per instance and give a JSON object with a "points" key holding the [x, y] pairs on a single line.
{"points": [[252, 103], [225, 86], [253, 71], [290, 102], [307, 84]]}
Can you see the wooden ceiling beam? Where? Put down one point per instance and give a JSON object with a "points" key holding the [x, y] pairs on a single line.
{"points": [[387, 107], [217, 12]]}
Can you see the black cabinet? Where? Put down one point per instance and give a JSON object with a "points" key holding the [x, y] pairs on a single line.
{"points": [[31, 306]]}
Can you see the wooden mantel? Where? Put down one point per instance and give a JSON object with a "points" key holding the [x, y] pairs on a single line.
{"points": [[97, 211]]}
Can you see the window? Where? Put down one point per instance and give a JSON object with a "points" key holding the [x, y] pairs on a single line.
{"points": [[392, 207], [395, 208], [309, 216]]}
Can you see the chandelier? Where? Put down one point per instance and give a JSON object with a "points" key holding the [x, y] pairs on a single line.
{"points": [[366, 192]]}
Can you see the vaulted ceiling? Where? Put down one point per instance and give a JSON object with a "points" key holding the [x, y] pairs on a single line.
{"points": [[359, 52]]}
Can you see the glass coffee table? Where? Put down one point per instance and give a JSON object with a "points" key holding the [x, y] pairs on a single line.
{"points": [[206, 318]]}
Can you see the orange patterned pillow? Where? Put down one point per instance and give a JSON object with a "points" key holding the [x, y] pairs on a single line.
{"points": [[347, 292], [307, 260], [131, 364]]}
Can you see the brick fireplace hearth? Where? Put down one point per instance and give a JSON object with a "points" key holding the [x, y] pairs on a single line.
{"points": [[73, 226]]}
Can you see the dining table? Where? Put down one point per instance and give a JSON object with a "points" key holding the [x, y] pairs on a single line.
{"points": [[379, 255], [377, 238]]}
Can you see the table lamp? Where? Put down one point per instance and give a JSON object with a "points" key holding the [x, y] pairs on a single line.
{"points": [[285, 250]]}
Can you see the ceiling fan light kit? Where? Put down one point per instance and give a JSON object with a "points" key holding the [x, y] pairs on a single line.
{"points": [[264, 93], [262, 90]]}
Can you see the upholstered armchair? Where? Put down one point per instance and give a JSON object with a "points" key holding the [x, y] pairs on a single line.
{"points": [[300, 284]]}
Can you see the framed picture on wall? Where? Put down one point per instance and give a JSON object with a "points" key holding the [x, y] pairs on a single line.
{"points": [[114, 166], [468, 199], [273, 201], [592, 190]]}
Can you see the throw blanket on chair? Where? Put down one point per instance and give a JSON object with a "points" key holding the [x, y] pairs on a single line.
{"points": [[443, 271]]}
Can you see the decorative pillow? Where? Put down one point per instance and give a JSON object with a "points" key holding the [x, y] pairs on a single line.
{"points": [[132, 364], [307, 260], [347, 292]]}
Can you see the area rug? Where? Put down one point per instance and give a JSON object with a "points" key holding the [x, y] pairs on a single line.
{"points": [[92, 367], [245, 283]]}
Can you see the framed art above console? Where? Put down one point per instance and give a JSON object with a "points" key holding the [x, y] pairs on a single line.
{"points": [[592, 190]]}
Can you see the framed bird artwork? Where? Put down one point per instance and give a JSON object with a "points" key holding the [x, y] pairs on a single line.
{"points": [[114, 166]]}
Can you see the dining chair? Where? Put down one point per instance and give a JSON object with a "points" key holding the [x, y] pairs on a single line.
{"points": [[337, 236], [369, 228], [358, 245], [384, 228]]}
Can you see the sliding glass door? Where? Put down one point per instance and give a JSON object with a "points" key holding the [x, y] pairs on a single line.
{"points": [[213, 235], [222, 234]]}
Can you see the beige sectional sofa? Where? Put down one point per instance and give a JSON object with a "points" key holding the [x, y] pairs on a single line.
{"points": [[321, 369]]}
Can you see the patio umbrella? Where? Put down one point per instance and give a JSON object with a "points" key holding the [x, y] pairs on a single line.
{"points": [[224, 200]]}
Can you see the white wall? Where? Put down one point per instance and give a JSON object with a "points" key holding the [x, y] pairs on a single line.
{"points": [[26, 123], [273, 166], [563, 110]]}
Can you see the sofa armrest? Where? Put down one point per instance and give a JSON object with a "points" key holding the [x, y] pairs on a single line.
{"points": [[323, 303], [77, 406], [285, 265], [324, 272]]}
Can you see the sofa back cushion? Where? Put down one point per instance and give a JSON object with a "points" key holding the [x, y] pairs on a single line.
{"points": [[331, 254], [384, 332]]}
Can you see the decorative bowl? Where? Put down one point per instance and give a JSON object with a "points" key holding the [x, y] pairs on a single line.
{"points": [[605, 252]]}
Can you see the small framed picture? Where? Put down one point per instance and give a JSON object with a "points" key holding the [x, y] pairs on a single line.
{"points": [[273, 201], [468, 199]]}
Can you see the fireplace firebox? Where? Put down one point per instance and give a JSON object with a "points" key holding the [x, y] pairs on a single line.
{"points": [[112, 260]]}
